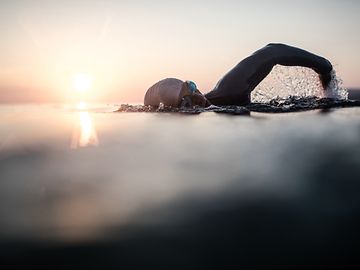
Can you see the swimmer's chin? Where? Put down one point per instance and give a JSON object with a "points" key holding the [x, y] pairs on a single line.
{"points": [[195, 100]]}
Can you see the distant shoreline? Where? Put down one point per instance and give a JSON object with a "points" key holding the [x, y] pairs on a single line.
{"points": [[354, 94]]}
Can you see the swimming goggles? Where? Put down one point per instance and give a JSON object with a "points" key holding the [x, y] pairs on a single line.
{"points": [[192, 86]]}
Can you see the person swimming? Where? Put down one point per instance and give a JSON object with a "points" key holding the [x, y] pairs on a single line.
{"points": [[234, 87], [175, 93]]}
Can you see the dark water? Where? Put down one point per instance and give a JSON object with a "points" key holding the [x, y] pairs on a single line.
{"points": [[98, 190]]}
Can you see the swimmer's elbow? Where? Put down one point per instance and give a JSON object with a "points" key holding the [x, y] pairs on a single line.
{"points": [[274, 45]]}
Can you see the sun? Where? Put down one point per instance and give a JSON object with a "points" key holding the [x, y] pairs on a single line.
{"points": [[82, 82]]}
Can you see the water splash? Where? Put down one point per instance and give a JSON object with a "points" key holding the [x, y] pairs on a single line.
{"points": [[335, 88], [284, 81]]}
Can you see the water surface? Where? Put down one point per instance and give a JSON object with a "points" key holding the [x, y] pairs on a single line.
{"points": [[69, 176]]}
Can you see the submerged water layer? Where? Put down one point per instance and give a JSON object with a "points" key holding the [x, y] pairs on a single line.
{"points": [[172, 191], [276, 105]]}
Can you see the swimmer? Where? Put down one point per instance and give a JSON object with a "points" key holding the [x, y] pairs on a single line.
{"points": [[235, 87]]}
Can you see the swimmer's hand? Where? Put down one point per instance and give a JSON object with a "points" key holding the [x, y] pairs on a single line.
{"points": [[325, 79]]}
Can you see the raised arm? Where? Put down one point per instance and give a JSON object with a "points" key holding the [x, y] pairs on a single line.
{"points": [[235, 87]]}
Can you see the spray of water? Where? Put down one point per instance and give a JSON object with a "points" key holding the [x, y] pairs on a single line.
{"points": [[284, 81], [335, 88]]}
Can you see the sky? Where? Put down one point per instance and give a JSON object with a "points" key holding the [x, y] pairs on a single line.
{"points": [[121, 47]]}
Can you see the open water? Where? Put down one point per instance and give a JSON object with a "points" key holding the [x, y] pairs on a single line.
{"points": [[87, 187]]}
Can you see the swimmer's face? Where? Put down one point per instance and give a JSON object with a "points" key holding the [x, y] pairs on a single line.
{"points": [[194, 96], [200, 100]]}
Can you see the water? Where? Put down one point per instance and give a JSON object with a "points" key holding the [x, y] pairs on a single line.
{"points": [[70, 177]]}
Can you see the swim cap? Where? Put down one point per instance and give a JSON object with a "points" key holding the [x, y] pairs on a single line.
{"points": [[192, 86]]}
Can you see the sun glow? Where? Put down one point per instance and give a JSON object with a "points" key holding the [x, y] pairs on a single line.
{"points": [[82, 82], [81, 106]]}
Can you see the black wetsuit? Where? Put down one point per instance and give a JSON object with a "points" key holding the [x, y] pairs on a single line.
{"points": [[235, 87]]}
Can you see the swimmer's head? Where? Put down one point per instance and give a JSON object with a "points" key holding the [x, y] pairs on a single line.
{"points": [[191, 86], [192, 96]]}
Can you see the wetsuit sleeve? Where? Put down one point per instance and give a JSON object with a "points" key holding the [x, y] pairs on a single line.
{"points": [[235, 87], [281, 54]]}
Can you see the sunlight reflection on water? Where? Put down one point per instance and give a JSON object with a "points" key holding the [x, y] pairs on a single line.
{"points": [[84, 134]]}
